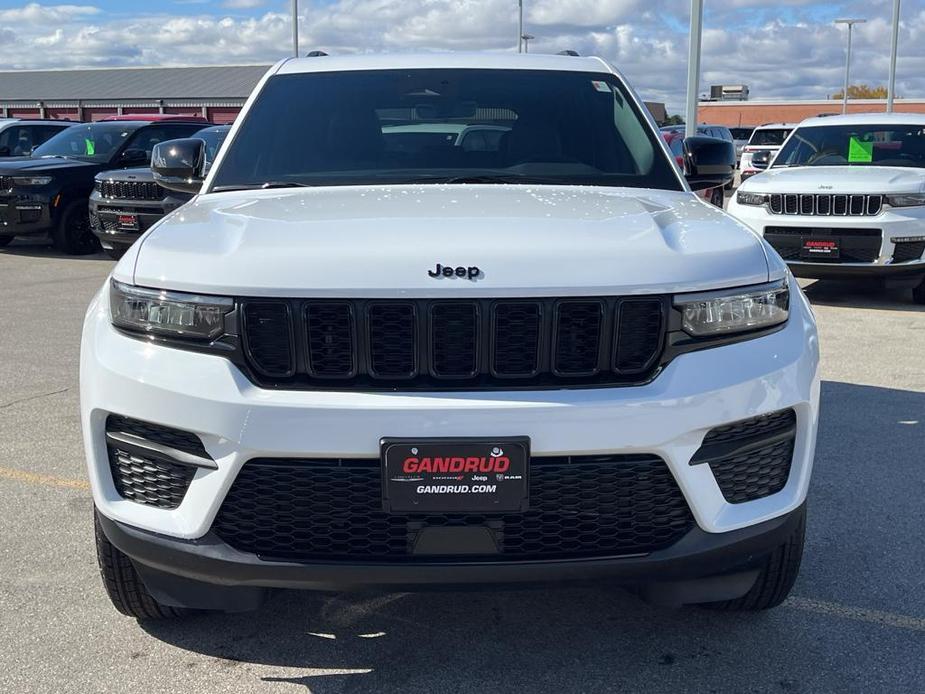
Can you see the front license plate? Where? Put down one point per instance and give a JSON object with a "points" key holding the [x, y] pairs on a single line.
{"points": [[819, 248], [129, 222], [455, 475]]}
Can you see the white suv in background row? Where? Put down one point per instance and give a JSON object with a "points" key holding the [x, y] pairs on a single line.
{"points": [[765, 138], [371, 354], [845, 198]]}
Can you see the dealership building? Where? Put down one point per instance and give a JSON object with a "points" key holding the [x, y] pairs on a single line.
{"points": [[749, 113]]}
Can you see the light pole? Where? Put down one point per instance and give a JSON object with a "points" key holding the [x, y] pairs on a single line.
{"points": [[520, 26], [527, 38], [295, 28], [894, 43], [693, 68], [850, 23]]}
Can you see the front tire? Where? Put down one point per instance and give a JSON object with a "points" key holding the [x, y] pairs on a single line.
{"points": [[73, 235], [918, 293], [123, 585], [776, 578]]}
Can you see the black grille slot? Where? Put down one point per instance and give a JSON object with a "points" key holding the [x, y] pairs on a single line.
{"points": [[905, 251], [776, 204], [268, 337], [639, 334], [516, 333], [874, 204], [807, 204], [840, 204], [750, 459], [824, 204], [392, 338], [6, 183], [185, 441], [148, 480], [131, 190], [454, 339], [791, 204], [331, 339], [578, 337], [330, 510], [857, 205]]}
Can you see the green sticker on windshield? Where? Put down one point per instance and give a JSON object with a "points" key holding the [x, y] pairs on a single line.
{"points": [[860, 152], [90, 147]]}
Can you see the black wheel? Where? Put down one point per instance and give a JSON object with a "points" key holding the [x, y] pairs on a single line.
{"points": [[918, 293], [776, 579], [115, 252], [73, 235], [123, 585], [717, 197], [5, 241]]}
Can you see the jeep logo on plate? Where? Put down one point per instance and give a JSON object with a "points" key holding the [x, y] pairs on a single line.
{"points": [[471, 272]]}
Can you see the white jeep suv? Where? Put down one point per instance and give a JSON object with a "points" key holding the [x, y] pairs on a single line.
{"points": [[373, 354], [845, 198]]}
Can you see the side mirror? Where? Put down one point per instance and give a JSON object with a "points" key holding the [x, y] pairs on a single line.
{"points": [[133, 156], [709, 162], [179, 164]]}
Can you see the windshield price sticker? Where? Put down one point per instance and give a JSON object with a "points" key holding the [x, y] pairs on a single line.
{"points": [[860, 152]]}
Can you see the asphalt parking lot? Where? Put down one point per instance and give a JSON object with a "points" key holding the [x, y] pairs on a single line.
{"points": [[855, 623]]}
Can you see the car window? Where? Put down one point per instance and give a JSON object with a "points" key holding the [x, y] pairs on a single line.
{"points": [[213, 137], [428, 125], [147, 137], [770, 137], [96, 142], [741, 133], [42, 133], [855, 145], [17, 140]]}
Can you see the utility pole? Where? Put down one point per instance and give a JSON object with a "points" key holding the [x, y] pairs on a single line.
{"points": [[894, 44], [520, 26], [693, 68], [850, 23], [295, 28], [527, 38]]}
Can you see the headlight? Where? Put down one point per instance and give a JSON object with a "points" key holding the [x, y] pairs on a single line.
{"points": [[31, 180], [734, 311], [168, 313], [907, 200], [745, 198]]}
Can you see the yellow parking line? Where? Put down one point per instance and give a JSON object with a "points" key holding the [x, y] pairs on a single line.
{"points": [[44, 480], [857, 614]]}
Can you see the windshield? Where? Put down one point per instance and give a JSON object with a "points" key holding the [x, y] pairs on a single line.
{"points": [[452, 125], [770, 137], [855, 145], [741, 133], [95, 142]]}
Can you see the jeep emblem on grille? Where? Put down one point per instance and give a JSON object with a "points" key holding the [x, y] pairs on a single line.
{"points": [[472, 272]]}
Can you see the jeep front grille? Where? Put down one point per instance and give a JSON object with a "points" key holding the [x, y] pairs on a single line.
{"points": [[825, 204], [463, 343], [130, 190]]}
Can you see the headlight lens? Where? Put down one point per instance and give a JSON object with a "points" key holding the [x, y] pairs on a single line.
{"points": [[168, 313], [734, 311], [907, 200], [745, 198], [31, 180]]}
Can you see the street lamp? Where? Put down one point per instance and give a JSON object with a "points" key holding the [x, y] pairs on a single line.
{"points": [[850, 23], [295, 28], [527, 38], [891, 90], [520, 26]]}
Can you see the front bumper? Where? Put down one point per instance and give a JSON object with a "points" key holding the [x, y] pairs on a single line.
{"points": [[105, 213], [25, 214]]}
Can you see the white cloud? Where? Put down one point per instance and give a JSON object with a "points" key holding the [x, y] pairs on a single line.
{"points": [[785, 49]]}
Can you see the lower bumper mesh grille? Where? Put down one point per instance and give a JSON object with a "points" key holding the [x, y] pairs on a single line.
{"points": [[303, 510], [750, 459]]}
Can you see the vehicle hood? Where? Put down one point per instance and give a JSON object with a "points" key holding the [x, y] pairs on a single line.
{"points": [[838, 179], [38, 165], [142, 173], [383, 240]]}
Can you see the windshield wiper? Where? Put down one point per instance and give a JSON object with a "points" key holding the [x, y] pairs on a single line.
{"points": [[266, 185]]}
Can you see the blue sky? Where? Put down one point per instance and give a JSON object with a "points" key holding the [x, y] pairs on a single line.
{"points": [[783, 49]]}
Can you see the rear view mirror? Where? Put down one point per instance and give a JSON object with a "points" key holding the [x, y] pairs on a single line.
{"points": [[708, 162], [179, 164]]}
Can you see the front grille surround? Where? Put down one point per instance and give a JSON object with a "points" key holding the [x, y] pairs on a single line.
{"points": [[331, 510], [825, 204], [454, 343]]}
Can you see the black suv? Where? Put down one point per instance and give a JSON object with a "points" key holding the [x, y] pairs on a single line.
{"points": [[47, 192], [127, 202]]}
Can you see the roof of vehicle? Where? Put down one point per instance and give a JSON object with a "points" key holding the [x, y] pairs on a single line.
{"points": [[769, 126], [216, 128], [37, 121], [407, 61], [156, 117], [867, 119]]}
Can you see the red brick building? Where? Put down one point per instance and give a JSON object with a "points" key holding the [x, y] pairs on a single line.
{"points": [[746, 113]]}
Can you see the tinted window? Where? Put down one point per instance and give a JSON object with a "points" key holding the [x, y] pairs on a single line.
{"points": [[91, 142], [213, 137], [770, 137], [741, 133], [392, 126], [146, 138], [17, 140], [852, 145]]}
